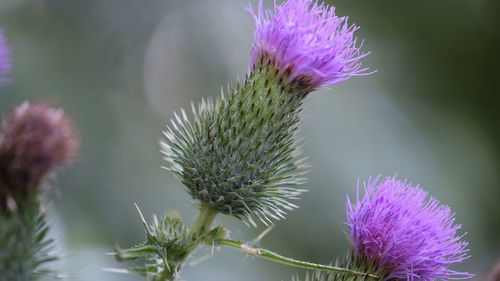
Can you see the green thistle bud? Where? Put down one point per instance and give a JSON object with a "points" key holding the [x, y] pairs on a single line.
{"points": [[167, 245], [238, 155]]}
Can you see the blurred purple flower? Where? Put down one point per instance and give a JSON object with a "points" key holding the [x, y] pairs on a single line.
{"points": [[307, 41], [404, 233], [35, 140], [5, 65]]}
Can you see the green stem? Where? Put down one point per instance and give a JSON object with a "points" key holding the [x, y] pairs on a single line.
{"points": [[204, 221], [269, 255]]}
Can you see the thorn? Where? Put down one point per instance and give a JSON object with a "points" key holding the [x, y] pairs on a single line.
{"points": [[261, 235], [142, 218], [199, 260], [115, 270]]}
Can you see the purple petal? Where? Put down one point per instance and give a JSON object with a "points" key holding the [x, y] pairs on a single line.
{"points": [[308, 39], [407, 234]]}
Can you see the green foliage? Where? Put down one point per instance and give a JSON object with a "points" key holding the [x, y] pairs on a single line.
{"points": [[168, 243], [238, 155], [24, 244]]}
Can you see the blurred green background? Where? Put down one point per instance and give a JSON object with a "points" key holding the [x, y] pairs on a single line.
{"points": [[431, 114]]}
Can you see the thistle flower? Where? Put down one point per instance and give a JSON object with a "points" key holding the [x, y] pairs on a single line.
{"points": [[238, 156], [404, 233], [5, 65], [36, 139], [307, 42]]}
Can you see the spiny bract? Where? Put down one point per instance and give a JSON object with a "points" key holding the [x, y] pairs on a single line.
{"points": [[238, 155], [25, 248]]}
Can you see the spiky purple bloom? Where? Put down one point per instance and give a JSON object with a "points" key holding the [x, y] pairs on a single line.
{"points": [[5, 65], [307, 41], [404, 233]]}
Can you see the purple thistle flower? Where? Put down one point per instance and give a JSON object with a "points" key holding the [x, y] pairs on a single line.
{"points": [[36, 139], [307, 41], [5, 65], [404, 233]]}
